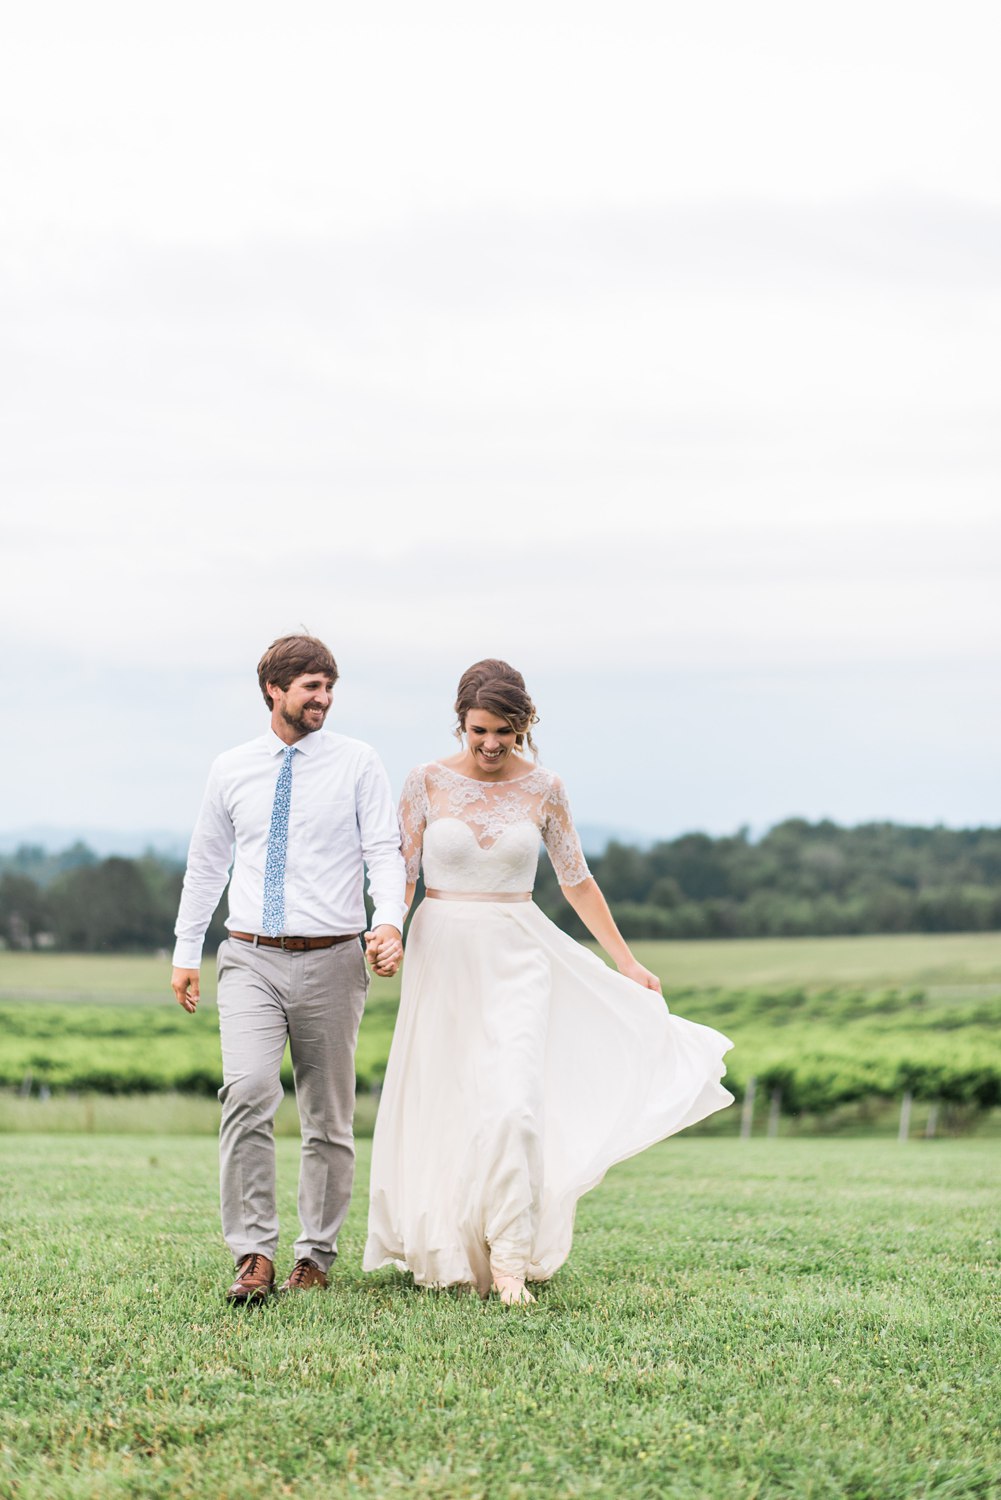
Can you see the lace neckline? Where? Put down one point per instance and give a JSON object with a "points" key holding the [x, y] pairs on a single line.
{"points": [[434, 792], [511, 780]]}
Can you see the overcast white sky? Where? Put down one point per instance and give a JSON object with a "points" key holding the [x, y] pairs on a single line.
{"points": [[653, 347]]}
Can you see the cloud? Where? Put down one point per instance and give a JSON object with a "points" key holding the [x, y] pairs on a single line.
{"points": [[215, 121], [657, 344]]}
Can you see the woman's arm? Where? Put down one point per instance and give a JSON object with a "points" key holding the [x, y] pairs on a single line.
{"points": [[412, 822], [581, 889], [592, 908]]}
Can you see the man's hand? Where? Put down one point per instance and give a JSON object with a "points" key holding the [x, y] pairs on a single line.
{"points": [[184, 983], [384, 950]]}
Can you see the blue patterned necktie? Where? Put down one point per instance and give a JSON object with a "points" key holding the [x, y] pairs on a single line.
{"points": [[274, 864]]}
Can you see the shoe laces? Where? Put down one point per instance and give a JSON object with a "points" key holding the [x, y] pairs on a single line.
{"points": [[248, 1266], [300, 1270]]}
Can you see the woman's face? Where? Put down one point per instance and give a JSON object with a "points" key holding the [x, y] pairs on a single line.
{"points": [[491, 740]]}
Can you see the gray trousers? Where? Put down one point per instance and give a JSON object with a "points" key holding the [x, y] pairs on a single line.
{"points": [[314, 1001]]}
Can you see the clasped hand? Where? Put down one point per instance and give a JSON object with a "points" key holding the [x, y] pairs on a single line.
{"points": [[384, 950]]}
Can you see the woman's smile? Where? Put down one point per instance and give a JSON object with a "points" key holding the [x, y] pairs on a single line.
{"points": [[490, 741]]}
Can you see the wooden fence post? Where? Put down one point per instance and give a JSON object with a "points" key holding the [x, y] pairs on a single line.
{"points": [[931, 1124], [905, 1116], [774, 1110], [747, 1112]]}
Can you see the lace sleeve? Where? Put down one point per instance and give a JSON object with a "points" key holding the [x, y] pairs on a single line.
{"points": [[560, 837], [413, 821]]}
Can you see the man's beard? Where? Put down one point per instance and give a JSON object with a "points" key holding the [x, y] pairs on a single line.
{"points": [[299, 721]]}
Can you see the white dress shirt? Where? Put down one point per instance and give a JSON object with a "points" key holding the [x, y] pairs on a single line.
{"points": [[342, 814]]}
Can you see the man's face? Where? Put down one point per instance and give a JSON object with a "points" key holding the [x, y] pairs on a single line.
{"points": [[304, 704]]}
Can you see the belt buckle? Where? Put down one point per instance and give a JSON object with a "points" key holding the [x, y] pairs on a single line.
{"points": [[281, 944]]}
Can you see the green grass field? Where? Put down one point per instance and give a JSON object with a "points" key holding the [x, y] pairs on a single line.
{"points": [[738, 1321], [947, 960], [804, 1319]]}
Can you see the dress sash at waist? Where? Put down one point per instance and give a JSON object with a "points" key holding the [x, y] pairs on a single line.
{"points": [[479, 895]]}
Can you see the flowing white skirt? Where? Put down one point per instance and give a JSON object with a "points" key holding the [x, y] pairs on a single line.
{"points": [[521, 1069]]}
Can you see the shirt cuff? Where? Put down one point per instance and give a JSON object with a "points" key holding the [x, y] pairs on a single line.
{"points": [[389, 916], [188, 953]]}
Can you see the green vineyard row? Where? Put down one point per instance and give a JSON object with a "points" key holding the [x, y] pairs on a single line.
{"points": [[819, 1050]]}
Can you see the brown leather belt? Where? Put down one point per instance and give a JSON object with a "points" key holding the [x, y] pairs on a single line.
{"points": [[293, 944]]}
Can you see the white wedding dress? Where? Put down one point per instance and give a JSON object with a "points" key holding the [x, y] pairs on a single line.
{"points": [[522, 1067]]}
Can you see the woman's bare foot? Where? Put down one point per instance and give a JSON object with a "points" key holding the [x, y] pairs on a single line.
{"points": [[512, 1290]]}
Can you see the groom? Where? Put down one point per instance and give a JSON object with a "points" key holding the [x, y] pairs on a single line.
{"points": [[303, 811]]}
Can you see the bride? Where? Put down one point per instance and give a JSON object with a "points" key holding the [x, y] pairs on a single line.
{"points": [[522, 1067]]}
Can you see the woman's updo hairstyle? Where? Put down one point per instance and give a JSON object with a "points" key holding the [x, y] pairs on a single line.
{"points": [[497, 689]]}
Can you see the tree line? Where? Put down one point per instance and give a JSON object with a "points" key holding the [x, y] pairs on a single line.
{"points": [[798, 879], [79, 903]]}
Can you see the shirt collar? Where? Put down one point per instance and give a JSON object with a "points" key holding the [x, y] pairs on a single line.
{"points": [[305, 746]]}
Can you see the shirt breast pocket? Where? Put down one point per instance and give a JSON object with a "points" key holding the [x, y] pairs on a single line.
{"points": [[331, 823]]}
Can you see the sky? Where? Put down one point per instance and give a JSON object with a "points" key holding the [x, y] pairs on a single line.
{"points": [[651, 347]]}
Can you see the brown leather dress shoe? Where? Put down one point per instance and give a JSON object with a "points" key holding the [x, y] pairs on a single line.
{"points": [[305, 1276], [255, 1280]]}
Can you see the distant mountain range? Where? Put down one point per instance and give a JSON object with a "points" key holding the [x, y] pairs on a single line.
{"points": [[595, 838], [103, 841]]}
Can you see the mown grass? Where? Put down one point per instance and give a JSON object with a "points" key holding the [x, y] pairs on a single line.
{"points": [[164, 1113], [93, 978], [907, 960], [190, 1114], [951, 960], [803, 1320]]}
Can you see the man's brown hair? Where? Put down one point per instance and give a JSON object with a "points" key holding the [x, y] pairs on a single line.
{"points": [[292, 656]]}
